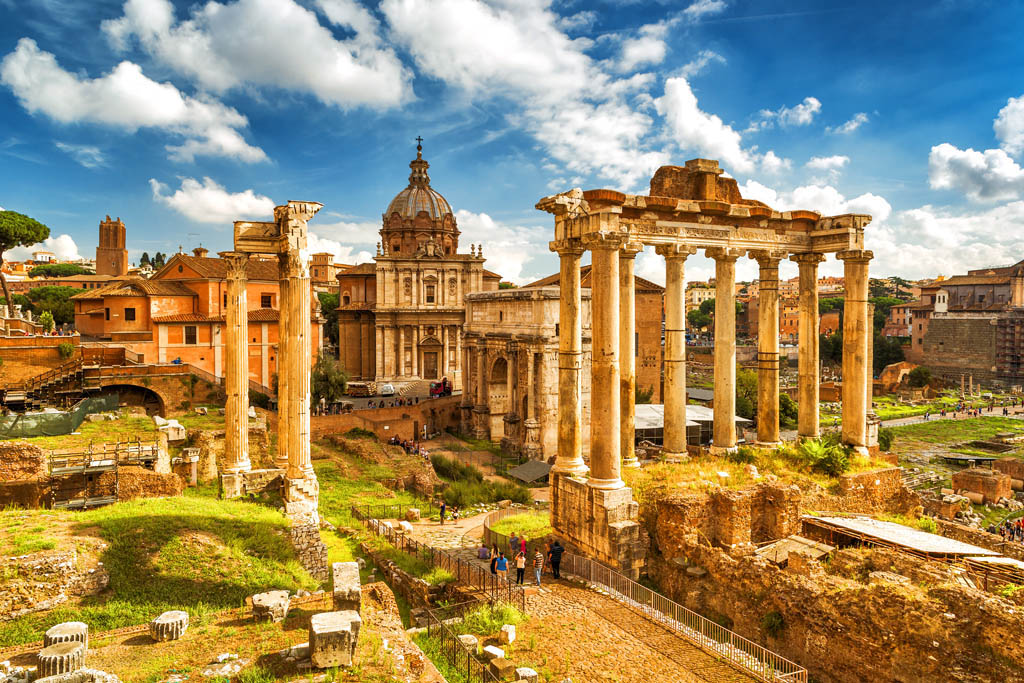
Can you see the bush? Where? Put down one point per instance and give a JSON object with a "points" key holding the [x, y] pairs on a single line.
{"points": [[919, 377], [66, 350], [259, 399], [885, 437], [438, 576], [486, 620], [927, 524], [455, 471], [788, 412], [773, 623], [466, 493], [742, 455], [360, 433], [826, 455], [46, 320]]}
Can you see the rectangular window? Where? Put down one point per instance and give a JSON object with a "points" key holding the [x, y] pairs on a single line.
{"points": [[129, 314], [225, 299], [190, 334], [430, 294], [636, 344], [266, 300], [106, 314]]}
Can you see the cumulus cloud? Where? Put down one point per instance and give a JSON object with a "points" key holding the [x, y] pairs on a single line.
{"points": [[270, 42], [342, 253], [63, 247], [1009, 126], [833, 162], [126, 99], [700, 62], [859, 119], [771, 163], [702, 8], [207, 201], [89, 156], [580, 21], [364, 233], [983, 176], [647, 48], [801, 114], [508, 249]]}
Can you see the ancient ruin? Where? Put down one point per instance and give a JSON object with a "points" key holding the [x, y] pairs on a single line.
{"points": [[688, 208]]}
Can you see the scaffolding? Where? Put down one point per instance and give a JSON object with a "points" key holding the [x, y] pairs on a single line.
{"points": [[76, 475]]}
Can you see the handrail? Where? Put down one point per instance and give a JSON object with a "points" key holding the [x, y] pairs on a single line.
{"points": [[458, 654], [740, 653]]}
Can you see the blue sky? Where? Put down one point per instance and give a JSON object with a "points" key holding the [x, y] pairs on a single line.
{"points": [[180, 117]]}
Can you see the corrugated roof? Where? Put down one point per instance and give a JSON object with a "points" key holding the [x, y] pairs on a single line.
{"points": [[642, 285], [897, 534]]}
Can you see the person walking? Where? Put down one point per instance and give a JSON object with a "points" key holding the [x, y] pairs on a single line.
{"points": [[538, 565], [443, 508], [520, 567], [555, 556], [513, 544], [501, 566], [522, 544], [494, 559]]}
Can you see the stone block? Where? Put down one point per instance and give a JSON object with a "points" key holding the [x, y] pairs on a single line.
{"points": [[525, 674], [61, 658], [81, 676], [502, 669], [347, 587], [271, 605], [169, 626], [405, 527], [232, 485], [68, 631], [412, 515], [508, 634], [469, 640], [333, 637], [492, 652]]}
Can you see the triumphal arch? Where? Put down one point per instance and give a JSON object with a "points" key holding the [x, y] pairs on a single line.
{"points": [[688, 208]]}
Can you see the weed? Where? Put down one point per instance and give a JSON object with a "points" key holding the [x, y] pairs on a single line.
{"points": [[257, 674], [773, 624]]}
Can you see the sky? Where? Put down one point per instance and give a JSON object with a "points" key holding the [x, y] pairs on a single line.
{"points": [[180, 117]]}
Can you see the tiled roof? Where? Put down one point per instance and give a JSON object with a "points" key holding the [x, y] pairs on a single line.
{"points": [[490, 273], [137, 287], [642, 285], [976, 280], [256, 315], [217, 268], [362, 269]]}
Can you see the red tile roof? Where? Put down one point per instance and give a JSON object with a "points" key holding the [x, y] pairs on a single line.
{"points": [[642, 285], [263, 270], [137, 287]]}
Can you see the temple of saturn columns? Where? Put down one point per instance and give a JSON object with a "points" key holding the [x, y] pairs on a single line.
{"points": [[689, 208], [285, 239]]}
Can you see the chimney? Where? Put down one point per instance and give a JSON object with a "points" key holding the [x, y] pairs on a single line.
{"points": [[200, 252]]}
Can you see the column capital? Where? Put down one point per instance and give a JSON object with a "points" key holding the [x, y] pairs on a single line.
{"points": [[604, 240], [567, 247], [236, 263], [856, 255], [291, 264], [808, 258], [767, 258], [679, 251], [630, 249], [723, 253]]}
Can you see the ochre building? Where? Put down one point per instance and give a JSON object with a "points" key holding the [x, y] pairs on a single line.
{"points": [[111, 254], [400, 318]]}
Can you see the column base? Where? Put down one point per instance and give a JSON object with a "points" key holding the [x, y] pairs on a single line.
{"points": [[632, 463], [722, 450], [606, 484], [861, 450], [571, 469], [671, 456], [767, 444]]}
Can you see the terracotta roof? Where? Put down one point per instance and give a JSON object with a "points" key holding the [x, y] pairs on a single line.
{"points": [[217, 268], [137, 287], [976, 280], [361, 269], [489, 273], [642, 285], [357, 306], [256, 315]]}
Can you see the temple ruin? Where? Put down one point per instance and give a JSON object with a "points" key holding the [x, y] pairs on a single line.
{"points": [[688, 208]]}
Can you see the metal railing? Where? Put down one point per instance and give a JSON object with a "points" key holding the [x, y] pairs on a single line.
{"points": [[461, 657], [468, 573], [744, 655]]}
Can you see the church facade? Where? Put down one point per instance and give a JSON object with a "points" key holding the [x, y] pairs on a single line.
{"points": [[401, 318]]}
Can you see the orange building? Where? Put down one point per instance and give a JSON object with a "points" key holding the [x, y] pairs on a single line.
{"points": [[178, 315]]}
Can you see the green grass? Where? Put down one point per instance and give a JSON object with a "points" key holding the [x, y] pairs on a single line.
{"points": [[193, 420], [124, 429], [533, 524], [486, 620], [340, 490], [434, 651], [952, 431]]}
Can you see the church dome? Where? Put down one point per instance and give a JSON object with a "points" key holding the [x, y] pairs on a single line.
{"points": [[419, 215], [419, 195]]}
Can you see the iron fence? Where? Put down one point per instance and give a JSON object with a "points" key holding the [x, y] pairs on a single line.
{"points": [[460, 656], [469, 573]]}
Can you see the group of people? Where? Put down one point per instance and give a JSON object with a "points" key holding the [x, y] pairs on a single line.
{"points": [[398, 402], [520, 557], [443, 508], [1010, 530], [412, 448]]}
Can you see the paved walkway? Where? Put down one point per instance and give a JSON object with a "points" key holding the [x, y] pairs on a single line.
{"points": [[579, 633]]}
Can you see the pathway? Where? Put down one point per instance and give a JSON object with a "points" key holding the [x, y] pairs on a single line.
{"points": [[585, 635]]}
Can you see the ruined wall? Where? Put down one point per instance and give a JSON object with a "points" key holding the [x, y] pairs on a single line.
{"points": [[310, 549], [44, 580], [993, 485], [980, 537], [1011, 466], [139, 482], [956, 343], [441, 413], [21, 461], [866, 492]]}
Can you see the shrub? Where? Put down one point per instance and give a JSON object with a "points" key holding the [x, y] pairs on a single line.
{"points": [[360, 433], [486, 620], [466, 493], [919, 376], [66, 350], [742, 455], [452, 470], [773, 623], [259, 399], [826, 455], [885, 437], [927, 524], [438, 576], [46, 320]]}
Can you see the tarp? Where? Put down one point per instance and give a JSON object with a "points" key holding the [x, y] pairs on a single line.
{"points": [[26, 425], [530, 471]]}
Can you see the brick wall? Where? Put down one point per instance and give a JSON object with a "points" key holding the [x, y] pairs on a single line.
{"points": [[955, 344], [440, 413], [992, 484]]}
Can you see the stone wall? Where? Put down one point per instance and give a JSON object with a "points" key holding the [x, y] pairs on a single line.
{"points": [[993, 485], [310, 549], [980, 537], [139, 482], [1011, 466], [957, 343], [253, 482], [21, 461], [866, 492], [42, 581], [417, 592], [440, 413]]}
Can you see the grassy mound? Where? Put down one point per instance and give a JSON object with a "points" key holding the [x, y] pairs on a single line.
{"points": [[467, 486], [533, 524]]}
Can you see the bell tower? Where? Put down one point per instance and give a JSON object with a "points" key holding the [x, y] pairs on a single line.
{"points": [[111, 255]]}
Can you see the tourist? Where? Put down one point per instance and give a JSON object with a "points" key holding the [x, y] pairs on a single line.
{"points": [[538, 566], [522, 543], [520, 567], [494, 559], [455, 513], [513, 543], [555, 557], [442, 512], [482, 553], [501, 567]]}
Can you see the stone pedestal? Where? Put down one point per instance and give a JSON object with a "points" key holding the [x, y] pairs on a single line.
{"points": [[272, 605], [69, 631], [61, 658], [346, 586], [169, 626], [333, 637]]}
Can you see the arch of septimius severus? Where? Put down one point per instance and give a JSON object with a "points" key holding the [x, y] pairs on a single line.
{"points": [[689, 208]]}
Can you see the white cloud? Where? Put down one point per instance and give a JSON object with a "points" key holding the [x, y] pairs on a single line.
{"points": [[853, 124], [1009, 126], [982, 176], [798, 115], [702, 8], [772, 164], [365, 233], [648, 48], [270, 42], [63, 247], [507, 248], [700, 62], [580, 21], [342, 253], [89, 156], [831, 163], [209, 202], [126, 99]]}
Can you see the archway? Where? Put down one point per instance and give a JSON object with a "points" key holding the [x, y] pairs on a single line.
{"points": [[497, 397], [134, 395]]}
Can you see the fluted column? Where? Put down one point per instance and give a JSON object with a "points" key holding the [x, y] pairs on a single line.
{"points": [[379, 352], [605, 413], [768, 347], [856, 329], [808, 346], [284, 353], [236, 366], [674, 394], [570, 360], [627, 349], [724, 426], [298, 362], [416, 350]]}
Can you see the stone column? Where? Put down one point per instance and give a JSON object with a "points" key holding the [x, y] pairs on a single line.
{"points": [[284, 353], [379, 353], [570, 361], [605, 413], [444, 351], [674, 394], [856, 329], [401, 351], [724, 427], [416, 350], [627, 351], [298, 363], [482, 410], [236, 375], [768, 347], [808, 343]]}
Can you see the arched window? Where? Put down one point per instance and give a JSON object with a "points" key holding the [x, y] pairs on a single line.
{"points": [[345, 300]]}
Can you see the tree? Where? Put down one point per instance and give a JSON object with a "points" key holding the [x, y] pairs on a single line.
{"points": [[830, 348], [919, 377], [834, 303], [642, 395], [46, 320], [883, 304], [18, 230], [507, 285], [55, 300], [329, 308], [159, 260], [59, 270], [888, 350], [746, 393], [328, 380], [788, 411], [697, 319], [144, 259]]}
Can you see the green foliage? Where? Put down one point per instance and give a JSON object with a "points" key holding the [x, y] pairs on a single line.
{"points": [[59, 270], [883, 304], [329, 307], [919, 376], [788, 411], [831, 348], [885, 437], [46, 320], [453, 470], [643, 395], [1009, 590], [746, 392], [466, 493], [486, 620], [697, 319], [826, 455], [927, 524], [534, 524], [56, 300], [773, 623], [435, 652], [507, 285], [144, 259], [438, 576], [742, 455], [159, 260], [259, 399], [66, 350], [257, 674], [18, 230], [360, 433], [828, 304], [19, 300], [887, 350], [328, 380]]}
